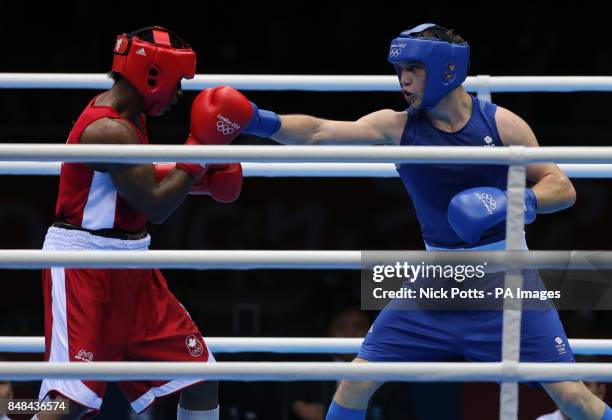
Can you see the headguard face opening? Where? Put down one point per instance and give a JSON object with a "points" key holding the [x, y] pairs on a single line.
{"points": [[153, 68], [446, 64]]}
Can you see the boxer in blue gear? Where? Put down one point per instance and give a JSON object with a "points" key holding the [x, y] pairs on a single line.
{"points": [[458, 207]]}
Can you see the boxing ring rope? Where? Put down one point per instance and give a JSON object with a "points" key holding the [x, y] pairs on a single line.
{"points": [[309, 371], [210, 260], [287, 345], [290, 260], [484, 84], [307, 170], [512, 155]]}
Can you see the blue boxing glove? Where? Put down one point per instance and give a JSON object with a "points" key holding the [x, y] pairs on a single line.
{"points": [[263, 123], [474, 211]]}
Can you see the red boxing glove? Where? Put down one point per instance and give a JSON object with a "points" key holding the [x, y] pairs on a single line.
{"points": [[219, 114], [162, 170], [223, 182]]}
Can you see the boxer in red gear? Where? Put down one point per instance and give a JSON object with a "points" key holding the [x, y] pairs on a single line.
{"points": [[122, 314]]}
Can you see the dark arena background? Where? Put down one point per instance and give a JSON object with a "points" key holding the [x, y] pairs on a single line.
{"points": [[506, 39]]}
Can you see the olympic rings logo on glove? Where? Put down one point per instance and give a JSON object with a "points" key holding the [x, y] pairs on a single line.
{"points": [[488, 201], [224, 128]]}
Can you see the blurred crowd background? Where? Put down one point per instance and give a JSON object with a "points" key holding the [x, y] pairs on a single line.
{"points": [[521, 38]]}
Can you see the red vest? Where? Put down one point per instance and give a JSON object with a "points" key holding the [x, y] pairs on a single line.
{"points": [[88, 198]]}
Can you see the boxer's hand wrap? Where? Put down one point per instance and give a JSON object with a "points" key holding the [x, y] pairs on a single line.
{"points": [[194, 169], [531, 205], [162, 169], [474, 211], [263, 123]]}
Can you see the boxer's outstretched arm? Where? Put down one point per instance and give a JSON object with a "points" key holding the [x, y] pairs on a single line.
{"points": [[553, 189], [137, 183], [380, 127]]}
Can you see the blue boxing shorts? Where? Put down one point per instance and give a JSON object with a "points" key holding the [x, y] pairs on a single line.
{"points": [[416, 335]]}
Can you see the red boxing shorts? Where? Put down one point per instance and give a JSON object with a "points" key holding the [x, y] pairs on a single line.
{"points": [[116, 315]]}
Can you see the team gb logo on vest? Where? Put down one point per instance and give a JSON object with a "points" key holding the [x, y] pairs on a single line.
{"points": [[488, 140]]}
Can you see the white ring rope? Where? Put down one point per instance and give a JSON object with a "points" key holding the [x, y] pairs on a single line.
{"points": [[310, 371], [287, 345], [210, 260], [307, 154], [307, 170], [297, 260], [327, 83]]}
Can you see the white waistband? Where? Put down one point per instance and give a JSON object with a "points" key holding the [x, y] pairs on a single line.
{"points": [[58, 239]]}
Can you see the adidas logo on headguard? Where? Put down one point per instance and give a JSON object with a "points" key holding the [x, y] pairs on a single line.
{"points": [[141, 52]]}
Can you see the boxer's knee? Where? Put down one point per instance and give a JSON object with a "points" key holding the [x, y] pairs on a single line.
{"points": [[200, 397], [75, 412]]}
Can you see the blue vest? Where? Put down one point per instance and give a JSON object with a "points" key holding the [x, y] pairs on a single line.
{"points": [[431, 187]]}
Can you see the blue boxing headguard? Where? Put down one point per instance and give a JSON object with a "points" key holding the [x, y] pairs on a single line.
{"points": [[446, 64]]}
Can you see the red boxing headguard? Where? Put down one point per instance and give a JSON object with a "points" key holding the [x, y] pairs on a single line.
{"points": [[153, 68]]}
